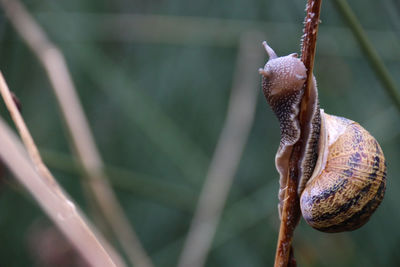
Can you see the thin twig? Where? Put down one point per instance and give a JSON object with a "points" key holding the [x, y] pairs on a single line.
{"points": [[309, 42], [291, 207], [54, 63], [372, 55], [229, 149], [24, 132], [59, 207], [33, 152]]}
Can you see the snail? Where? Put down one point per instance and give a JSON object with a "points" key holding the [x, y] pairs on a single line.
{"points": [[342, 168]]}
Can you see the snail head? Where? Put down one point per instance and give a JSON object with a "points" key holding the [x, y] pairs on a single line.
{"points": [[282, 75]]}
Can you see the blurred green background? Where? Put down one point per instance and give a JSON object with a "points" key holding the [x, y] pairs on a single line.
{"points": [[154, 78]]}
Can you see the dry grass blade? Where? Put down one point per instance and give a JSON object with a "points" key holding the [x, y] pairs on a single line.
{"points": [[24, 133], [40, 167], [57, 205], [59, 208], [224, 163], [82, 139], [291, 207]]}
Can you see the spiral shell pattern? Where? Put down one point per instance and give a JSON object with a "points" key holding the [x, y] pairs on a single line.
{"points": [[350, 185]]}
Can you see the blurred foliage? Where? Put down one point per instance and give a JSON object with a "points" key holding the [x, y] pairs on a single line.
{"points": [[154, 78]]}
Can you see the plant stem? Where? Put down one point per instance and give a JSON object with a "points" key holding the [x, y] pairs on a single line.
{"points": [[38, 180], [53, 61], [291, 206]]}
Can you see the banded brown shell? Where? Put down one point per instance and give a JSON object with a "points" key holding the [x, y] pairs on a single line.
{"points": [[349, 179]]}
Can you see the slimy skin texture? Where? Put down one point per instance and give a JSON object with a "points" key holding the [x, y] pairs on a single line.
{"points": [[282, 82], [282, 87]]}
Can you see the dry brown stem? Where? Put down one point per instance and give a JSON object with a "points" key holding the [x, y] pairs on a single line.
{"points": [[24, 133], [40, 182], [291, 207], [56, 68]]}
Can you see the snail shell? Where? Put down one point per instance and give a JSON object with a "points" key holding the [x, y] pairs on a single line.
{"points": [[349, 179], [342, 168]]}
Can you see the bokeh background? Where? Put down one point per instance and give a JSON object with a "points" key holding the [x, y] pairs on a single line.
{"points": [[154, 78]]}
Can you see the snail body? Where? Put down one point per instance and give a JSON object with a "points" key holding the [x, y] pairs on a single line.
{"points": [[342, 167]]}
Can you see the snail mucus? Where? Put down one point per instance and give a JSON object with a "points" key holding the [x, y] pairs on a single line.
{"points": [[342, 168]]}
